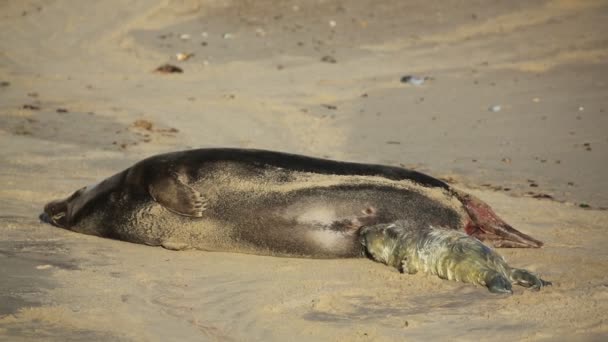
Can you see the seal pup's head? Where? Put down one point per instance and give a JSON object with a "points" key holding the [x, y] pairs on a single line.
{"points": [[390, 243]]}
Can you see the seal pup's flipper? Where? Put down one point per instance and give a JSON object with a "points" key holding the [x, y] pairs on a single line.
{"points": [[497, 283], [487, 226], [527, 279], [177, 196]]}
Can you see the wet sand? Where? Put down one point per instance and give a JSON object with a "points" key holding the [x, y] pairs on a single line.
{"points": [[79, 101]]}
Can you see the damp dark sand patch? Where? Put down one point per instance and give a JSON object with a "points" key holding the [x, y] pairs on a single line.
{"points": [[26, 267], [372, 308], [36, 330], [89, 130]]}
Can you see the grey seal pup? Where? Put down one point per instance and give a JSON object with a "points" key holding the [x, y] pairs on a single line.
{"points": [[448, 254]]}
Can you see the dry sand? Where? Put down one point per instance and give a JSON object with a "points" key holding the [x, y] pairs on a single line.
{"points": [[75, 76]]}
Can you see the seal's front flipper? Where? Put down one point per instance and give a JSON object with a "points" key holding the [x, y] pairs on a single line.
{"points": [[528, 279], [177, 196], [406, 267], [497, 283]]}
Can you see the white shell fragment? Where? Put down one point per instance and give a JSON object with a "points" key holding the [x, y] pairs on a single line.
{"points": [[495, 108], [413, 80], [183, 56]]}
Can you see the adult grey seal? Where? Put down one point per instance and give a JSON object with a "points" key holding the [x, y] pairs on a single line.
{"points": [[448, 254], [271, 203]]}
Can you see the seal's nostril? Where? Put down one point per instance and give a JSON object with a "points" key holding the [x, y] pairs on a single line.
{"points": [[44, 217]]}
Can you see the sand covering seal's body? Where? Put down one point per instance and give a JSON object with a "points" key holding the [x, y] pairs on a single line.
{"points": [[269, 203]]}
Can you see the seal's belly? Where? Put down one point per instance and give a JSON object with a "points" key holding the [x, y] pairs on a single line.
{"points": [[321, 221], [288, 214]]}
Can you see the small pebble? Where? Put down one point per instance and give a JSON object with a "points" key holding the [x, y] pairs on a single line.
{"points": [[43, 267], [30, 107], [329, 59], [204, 34], [227, 36], [260, 32], [184, 36], [580, 109], [413, 80], [169, 69], [536, 99], [332, 23], [495, 108]]}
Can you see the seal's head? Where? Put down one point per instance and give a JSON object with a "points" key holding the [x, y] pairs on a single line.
{"points": [[82, 206], [57, 212]]}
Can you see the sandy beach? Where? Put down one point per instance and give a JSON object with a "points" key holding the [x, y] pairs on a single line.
{"points": [[513, 108]]}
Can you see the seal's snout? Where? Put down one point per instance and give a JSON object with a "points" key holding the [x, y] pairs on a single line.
{"points": [[44, 217], [55, 213]]}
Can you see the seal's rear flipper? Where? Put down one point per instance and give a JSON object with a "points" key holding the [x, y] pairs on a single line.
{"points": [[177, 196], [487, 226]]}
